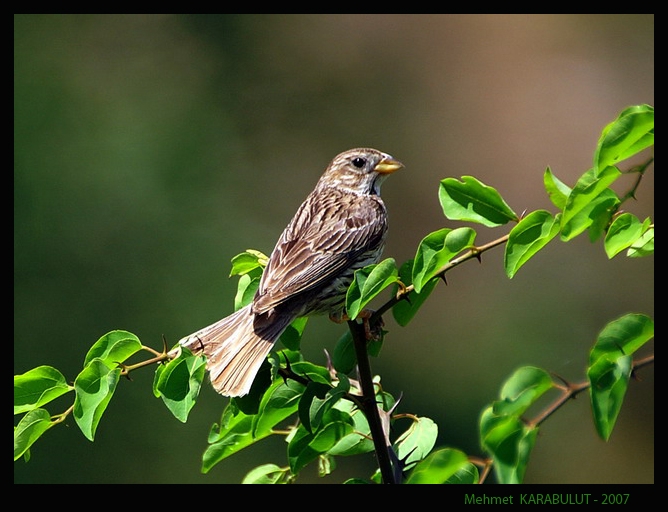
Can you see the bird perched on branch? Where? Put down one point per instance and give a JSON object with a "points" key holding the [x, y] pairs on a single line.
{"points": [[339, 228]]}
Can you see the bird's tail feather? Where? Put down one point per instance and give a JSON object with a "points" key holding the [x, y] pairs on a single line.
{"points": [[235, 349]]}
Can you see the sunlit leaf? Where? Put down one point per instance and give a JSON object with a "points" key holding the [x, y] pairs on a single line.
{"points": [[510, 441], [521, 390], [248, 261], [626, 136], [404, 310], [590, 185], [368, 283], [238, 430], [94, 387], [30, 429], [447, 465], [644, 246], [624, 231], [38, 387], [268, 474], [304, 447], [557, 191], [471, 200], [594, 216], [178, 383], [416, 442], [437, 249], [527, 238], [114, 348], [610, 365]]}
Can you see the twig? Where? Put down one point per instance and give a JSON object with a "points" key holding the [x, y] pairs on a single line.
{"points": [[370, 408]]}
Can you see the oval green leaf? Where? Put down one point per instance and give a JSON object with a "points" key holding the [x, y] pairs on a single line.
{"points": [[38, 387], [471, 200], [444, 466], [94, 387], [404, 310], [610, 367], [178, 383], [30, 429], [630, 133], [437, 249], [527, 238], [114, 348], [624, 231], [416, 442], [368, 283], [589, 186], [524, 387], [557, 191]]}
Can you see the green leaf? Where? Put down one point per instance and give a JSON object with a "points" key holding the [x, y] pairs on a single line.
{"points": [[470, 200], [557, 191], [292, 336], [248, 261], [609, 381], [359, 440], [610, 367], [305, 447], [644, 246], [415, 443], [367, 283], [624, 231], [510, 442], [312, 405], [249, 265], [268, 474], [466, 474], [238, 430], [344, 358], [38, 387], [623, 336], [114, 348], [312, 372], [178, 383], [594, 216], [30, 429], [94, 387], [246, 288], [527, 238], [444, 466], [437, 249], [524, 387], [404, 310], [590, 185], [318, 399], [626, 136]]}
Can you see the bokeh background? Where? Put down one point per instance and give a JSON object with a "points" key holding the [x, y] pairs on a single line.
{"points": [[150, 149]]}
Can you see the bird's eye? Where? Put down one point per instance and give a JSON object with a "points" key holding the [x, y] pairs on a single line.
{"points": [[358, 162]]}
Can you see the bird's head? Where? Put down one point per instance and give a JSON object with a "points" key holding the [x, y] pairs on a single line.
{"points": [[360, 170]]}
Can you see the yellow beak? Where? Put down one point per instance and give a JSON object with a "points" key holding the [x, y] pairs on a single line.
{"points": [[388, 165]]}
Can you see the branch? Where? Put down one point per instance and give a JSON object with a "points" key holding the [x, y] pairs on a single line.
{"points": [[368, 402], [572, 390]]}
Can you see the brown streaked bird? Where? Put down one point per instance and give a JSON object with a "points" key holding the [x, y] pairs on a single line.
{"points": [[339, 228]]}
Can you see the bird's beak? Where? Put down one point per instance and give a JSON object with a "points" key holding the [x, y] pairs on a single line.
{"points": [[388, 165]]}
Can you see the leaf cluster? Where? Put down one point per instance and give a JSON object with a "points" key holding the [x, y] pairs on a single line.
{"points": [[340, 409]]}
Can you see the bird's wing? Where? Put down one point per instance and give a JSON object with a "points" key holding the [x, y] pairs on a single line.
{"points": [[322, 240]]}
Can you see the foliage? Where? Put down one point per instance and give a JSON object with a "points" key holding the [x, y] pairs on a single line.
{"points": [[338, 416]]}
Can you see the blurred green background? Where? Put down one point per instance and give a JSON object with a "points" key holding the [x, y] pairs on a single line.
{"points": [[150, 149]]}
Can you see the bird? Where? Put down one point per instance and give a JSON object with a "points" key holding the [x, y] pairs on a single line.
{"points": [[339, 228]]}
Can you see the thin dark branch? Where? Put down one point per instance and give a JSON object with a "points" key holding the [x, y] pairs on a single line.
{"points": [[370, 408]]}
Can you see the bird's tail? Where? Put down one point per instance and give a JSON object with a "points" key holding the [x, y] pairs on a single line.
{"points": [[235, 349]]}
